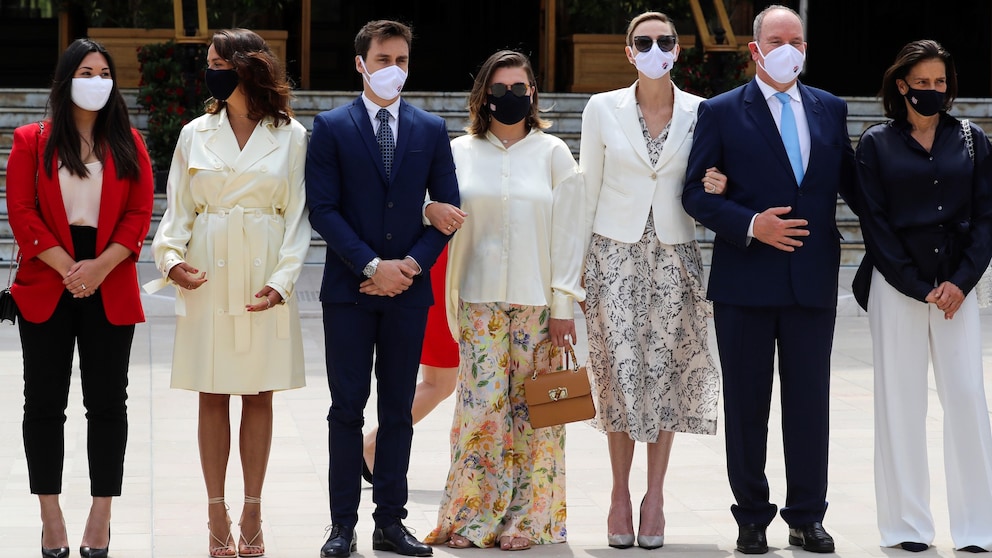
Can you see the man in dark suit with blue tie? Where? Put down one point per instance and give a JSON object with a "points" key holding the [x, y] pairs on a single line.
{"points": [[785, 149], [369, 167]]}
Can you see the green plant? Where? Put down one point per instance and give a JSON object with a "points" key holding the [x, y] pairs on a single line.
{"points": [[709, 73], [171, 92]]}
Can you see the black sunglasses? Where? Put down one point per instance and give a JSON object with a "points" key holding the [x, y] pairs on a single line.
{"points": [[665, 42], [518, 89]]}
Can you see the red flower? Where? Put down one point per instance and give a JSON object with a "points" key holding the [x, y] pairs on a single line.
{"points": [[160, 73]]}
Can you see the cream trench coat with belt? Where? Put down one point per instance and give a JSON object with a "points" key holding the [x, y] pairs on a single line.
{"points": [[240, 216]]}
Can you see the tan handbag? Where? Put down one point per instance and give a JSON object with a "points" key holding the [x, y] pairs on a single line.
{"points": [[557, 393]]}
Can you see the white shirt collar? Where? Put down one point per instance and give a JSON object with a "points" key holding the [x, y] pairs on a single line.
{"points": [[768, 91], [373, 109]]}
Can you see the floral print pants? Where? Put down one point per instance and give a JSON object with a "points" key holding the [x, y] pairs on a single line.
{"points": [[506, 478]]}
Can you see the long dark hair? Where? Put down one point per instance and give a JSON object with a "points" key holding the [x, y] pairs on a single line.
{"points": [[260, 75], [112, 130], [909, 56], [479, 115]]}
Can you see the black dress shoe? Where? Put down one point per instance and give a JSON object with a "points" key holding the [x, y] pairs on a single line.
{"points": [[751, 539], [812, 537], [914, 546], [398, 539], [340, 544], [971, 548]]}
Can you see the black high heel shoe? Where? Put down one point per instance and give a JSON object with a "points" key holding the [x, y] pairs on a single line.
{"points": [[90, 552], [60, 552]]}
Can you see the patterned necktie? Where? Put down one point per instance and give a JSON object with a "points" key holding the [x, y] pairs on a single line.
{"points": [[790, 136], [384, 137]]}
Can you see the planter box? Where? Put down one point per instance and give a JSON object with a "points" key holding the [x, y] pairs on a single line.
{"points": [[599, 64], [123, 43]]}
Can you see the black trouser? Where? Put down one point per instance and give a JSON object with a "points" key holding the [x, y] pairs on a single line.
{"points": [[104, 351]]}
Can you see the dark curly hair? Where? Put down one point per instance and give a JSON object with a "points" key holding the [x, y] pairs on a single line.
{"points": [[261, 75]]}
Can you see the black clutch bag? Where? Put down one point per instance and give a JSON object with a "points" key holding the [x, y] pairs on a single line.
{"points": [[8, 308]]}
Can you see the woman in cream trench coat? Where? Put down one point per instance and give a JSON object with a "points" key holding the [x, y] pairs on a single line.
{"points": [[229, 217], [233, 242]]}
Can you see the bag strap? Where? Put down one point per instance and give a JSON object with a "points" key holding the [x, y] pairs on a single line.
{"points": [[569, 352], [968, 140]]}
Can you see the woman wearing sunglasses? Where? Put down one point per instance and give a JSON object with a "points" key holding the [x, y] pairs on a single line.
{"points": [[513, 278], [646, 308]]}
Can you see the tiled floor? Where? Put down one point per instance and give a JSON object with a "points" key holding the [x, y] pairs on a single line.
{"points": [[163, 514]]}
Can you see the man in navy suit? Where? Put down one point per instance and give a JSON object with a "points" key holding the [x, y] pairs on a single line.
{"points": [[369, 167], [785, 149]]}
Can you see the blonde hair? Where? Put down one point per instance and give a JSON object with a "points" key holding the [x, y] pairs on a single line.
{"points": [[648, 16]]}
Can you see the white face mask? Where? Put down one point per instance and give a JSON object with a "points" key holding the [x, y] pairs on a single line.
{"points": [[654, 63], [91, 93], [386, 82], [783, 64]]}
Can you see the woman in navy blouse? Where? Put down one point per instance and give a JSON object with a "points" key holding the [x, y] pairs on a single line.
{"points": [[926, 216]]}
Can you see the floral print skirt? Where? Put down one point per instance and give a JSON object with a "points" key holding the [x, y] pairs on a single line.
{"points": [[506, 478], [646, 315]]}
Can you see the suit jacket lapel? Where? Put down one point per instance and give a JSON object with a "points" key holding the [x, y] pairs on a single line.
{"points": [[110, 204], [360, 117], [682, 119], [756, 107], [630, 123], [814, 120], [407, 124]]}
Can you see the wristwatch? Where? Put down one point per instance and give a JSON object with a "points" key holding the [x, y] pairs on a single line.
{"points": [[370, 268]]}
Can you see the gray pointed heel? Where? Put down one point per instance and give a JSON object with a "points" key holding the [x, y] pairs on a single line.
{"points": [[650, 542], [620, 541]]}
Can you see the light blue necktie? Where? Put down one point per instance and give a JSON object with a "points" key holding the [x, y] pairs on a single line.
{"points": [[790, 136]]}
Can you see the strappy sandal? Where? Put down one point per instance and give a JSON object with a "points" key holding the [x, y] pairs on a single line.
{"points": [[514, 543], [458, 541], [224, 548], [247, 547]]}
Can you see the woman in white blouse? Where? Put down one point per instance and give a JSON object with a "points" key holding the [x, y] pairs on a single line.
{"points": [[513, 277]]}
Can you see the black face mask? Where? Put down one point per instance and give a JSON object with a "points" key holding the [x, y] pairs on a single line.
{"points": [[221, 83], [927, 102], [509, 109]]}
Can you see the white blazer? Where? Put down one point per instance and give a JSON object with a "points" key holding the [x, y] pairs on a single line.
{"points": [[621, 183]]}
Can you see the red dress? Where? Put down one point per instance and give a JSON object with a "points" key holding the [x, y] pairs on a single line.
{"points": [[439, 349]]}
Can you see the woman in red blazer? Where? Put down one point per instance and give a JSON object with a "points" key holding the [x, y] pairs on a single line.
{"points": [[79, 198]]}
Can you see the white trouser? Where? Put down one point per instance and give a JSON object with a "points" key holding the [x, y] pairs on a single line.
{"points": [[902, 330]]}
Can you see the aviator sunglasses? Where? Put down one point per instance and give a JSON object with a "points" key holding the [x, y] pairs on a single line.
{"points": [[665, 42], [518, 89]]}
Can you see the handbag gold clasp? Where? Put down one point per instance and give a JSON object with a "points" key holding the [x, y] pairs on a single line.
{"points": [[558, 393]]}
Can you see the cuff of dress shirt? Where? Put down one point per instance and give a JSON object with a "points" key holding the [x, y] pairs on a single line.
{"points": [[562, 307], [416, 263], [750, 230], [423, 213]]}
